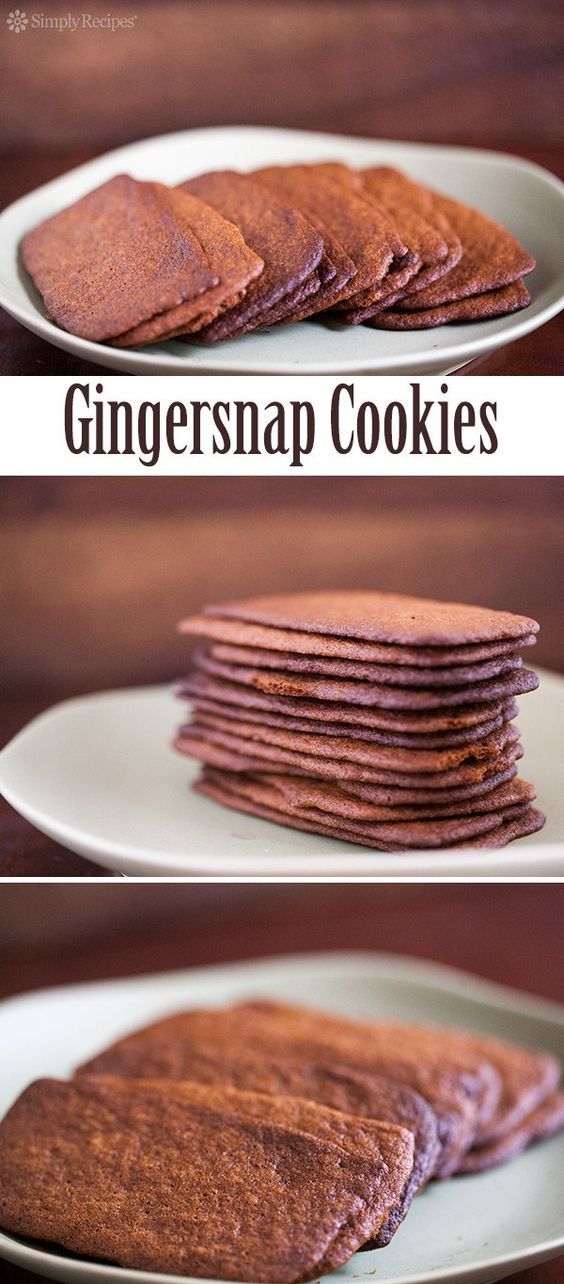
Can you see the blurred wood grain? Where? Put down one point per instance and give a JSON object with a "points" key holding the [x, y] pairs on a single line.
{"points": [[57, 936], [422, 69], [97, 572]]}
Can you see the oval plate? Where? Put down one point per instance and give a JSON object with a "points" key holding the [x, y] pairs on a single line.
{"points": [[98, 775], [525, 198], [472, 1230]]}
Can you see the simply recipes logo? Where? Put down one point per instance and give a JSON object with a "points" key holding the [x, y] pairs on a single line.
{"points": [[18, 21]]}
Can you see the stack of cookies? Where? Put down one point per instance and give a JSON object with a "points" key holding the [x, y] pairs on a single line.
{"points": [[262, 1141], [226, 253], [382, 720], [419, 259]]}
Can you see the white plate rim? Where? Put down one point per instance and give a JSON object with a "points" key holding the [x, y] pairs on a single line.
{"points": [[513, 861]]}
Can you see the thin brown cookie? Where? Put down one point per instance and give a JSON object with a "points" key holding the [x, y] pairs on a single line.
{"points": [[388, 1146], [378, 617], [239, 754], [491, 258], [154, 1183], [289, 246], [385, 696], [454, 794], [461, 1088], [396, 674], [419, 722], [505, 832], [217, 627], [421, 224], [546, 1120], [231, 261], [529, 822], [440, 740], [480, 307], [307, 793], [328, 199], [123, 254], [524, 1076], [405, 261], [421, 760], [362, 1095], [430, 833]]}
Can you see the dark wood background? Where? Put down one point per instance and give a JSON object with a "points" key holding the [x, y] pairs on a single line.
{"points": [[51, 936], [485, 73], [96, 573], [420, 69]]}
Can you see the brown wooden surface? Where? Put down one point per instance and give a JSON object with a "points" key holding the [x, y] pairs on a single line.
{"points": [[23, 353], [391, 68], [96, 573], [79, 933]]}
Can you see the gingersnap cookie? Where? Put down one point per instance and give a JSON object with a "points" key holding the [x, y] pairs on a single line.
{"points": [[261, 800], [405, 258], [356, 1093], [527, 1076], [491, 259], [441, 740], [233, 263], [385, 695], [405, 755], [478, 307], [336, 270], [527, 822], [388, 1147], [215, 750], [505, 770], [118, 257], [288, 308], [242, 754], [188, 1202], [542, 1122], [397, 675], [458, 1088], [420, 760], [379, 617], [289, 246], [199, 684], [345, 1092], [220, 628], [296, 793], [329, 199], [325, 800], [421, 225]]}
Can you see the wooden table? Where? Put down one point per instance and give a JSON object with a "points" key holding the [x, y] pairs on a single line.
{"points": [[23, 353], [480, 929]]}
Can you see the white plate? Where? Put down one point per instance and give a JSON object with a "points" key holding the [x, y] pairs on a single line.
{"points": [[525, 198], [98, 775], [471, 1230]]}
